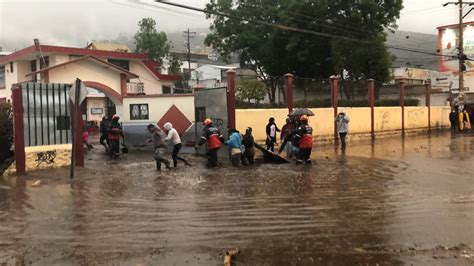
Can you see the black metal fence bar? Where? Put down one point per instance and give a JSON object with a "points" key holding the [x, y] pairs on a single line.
{"points": [[59, 99], [47, 116], [66, 111], [28, 112], [41, 112], [34, 116], [54, 113]]}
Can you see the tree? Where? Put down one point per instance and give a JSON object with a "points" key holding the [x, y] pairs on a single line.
{"points": [[197, 76], [148, 40], [175, 65], [251, 90], [275, 51]]}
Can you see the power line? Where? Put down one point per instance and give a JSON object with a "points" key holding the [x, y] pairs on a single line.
{"points": [[142, 6], [421, 10], [294, 29]]}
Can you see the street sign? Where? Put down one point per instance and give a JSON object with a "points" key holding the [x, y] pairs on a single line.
{"points": [[82, 92], [442, 80], [457, 89]]}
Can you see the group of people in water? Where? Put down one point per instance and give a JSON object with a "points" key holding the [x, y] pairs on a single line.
{"points": [[296, 139]]}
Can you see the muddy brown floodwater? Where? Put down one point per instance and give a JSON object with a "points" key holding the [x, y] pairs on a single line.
{"points": [[396, 202]]}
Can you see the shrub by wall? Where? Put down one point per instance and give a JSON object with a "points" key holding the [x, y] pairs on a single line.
{"points": [[6, 131]]}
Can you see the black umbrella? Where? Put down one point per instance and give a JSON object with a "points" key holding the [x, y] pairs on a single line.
{"points": [[301, 111]]}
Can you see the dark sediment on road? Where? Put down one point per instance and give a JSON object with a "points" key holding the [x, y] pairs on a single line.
{"points": [[396, 201]]}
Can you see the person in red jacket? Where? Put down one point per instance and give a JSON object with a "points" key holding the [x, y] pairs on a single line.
{"points": [[213, 137], [113, 135], [305, 135]]}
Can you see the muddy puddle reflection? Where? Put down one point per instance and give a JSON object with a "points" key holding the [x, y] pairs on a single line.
{"points": [[395, 202]]}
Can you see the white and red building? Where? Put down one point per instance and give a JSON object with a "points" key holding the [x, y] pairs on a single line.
{"points": [[448, 43], [119, 82]]}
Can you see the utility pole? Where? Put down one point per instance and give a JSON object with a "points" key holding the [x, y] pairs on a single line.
{"points": [[188, 35], [461, 56]]}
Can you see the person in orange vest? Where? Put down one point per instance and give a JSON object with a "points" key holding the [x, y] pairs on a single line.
{"points": [[304, 134], [213, 137]]}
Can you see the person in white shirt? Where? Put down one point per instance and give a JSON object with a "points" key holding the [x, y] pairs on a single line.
{"points": [[271, 130], [173, 136]]}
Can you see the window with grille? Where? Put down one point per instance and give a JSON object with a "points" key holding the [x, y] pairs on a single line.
{"points": [[139, 112]]}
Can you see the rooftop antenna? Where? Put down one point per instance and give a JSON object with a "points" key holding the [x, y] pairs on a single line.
{"points": [[38, 46]]}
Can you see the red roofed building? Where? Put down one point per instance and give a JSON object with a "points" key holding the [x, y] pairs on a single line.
{"points": [[119, 82]]}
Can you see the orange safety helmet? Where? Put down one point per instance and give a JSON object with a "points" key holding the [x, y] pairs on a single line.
{"points": [[304, 118], [207, 122], [115, 117]]}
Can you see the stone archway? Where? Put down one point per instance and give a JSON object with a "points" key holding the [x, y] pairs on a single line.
{"points": [[112, 94]]}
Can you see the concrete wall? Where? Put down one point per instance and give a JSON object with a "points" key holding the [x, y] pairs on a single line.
{"points": [[86, 71], [57, 59], [152, 85], [95, 102], [158, 106], [386, 119], [20, 69], [63, 158]]}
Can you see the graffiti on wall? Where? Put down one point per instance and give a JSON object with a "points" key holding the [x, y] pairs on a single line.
{"points": [[45, 157]]}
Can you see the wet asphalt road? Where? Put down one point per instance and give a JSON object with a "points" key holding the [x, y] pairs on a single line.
{"points": [[397, 202]]}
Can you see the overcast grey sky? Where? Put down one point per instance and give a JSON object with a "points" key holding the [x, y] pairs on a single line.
{"points": [[76, 22]]}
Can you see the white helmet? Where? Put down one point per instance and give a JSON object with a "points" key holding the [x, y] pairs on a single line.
{"points": [[168, 126]]}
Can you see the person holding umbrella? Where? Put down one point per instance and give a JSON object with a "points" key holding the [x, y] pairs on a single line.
{"points": [[304, 135]]}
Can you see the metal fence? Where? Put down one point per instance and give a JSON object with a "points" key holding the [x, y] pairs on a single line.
{"points": [[210, 103], [46, 116]]}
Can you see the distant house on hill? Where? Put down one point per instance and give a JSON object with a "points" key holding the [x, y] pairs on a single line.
{"points": [[413, 41], [113, 47]]}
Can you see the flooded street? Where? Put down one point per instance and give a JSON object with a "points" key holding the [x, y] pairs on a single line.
{"points": [[395, 202]]}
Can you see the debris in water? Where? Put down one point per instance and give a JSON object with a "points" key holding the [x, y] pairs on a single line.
{"points": [[37, 183], [229, 254], [5, 187], [360, 250]]}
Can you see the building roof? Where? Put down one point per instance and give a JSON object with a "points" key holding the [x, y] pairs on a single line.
{"points": [[154, 67], [455, 25], [91, 59], [105, 46], [31, 53], [34, 50]]}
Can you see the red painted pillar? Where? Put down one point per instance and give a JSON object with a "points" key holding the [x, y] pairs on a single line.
{"points": [[335, 100], [18, 129], [77, 138], [402, 104], [428, 103], [289, 92], [372, 104], [231, 98], [123, 85]]}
